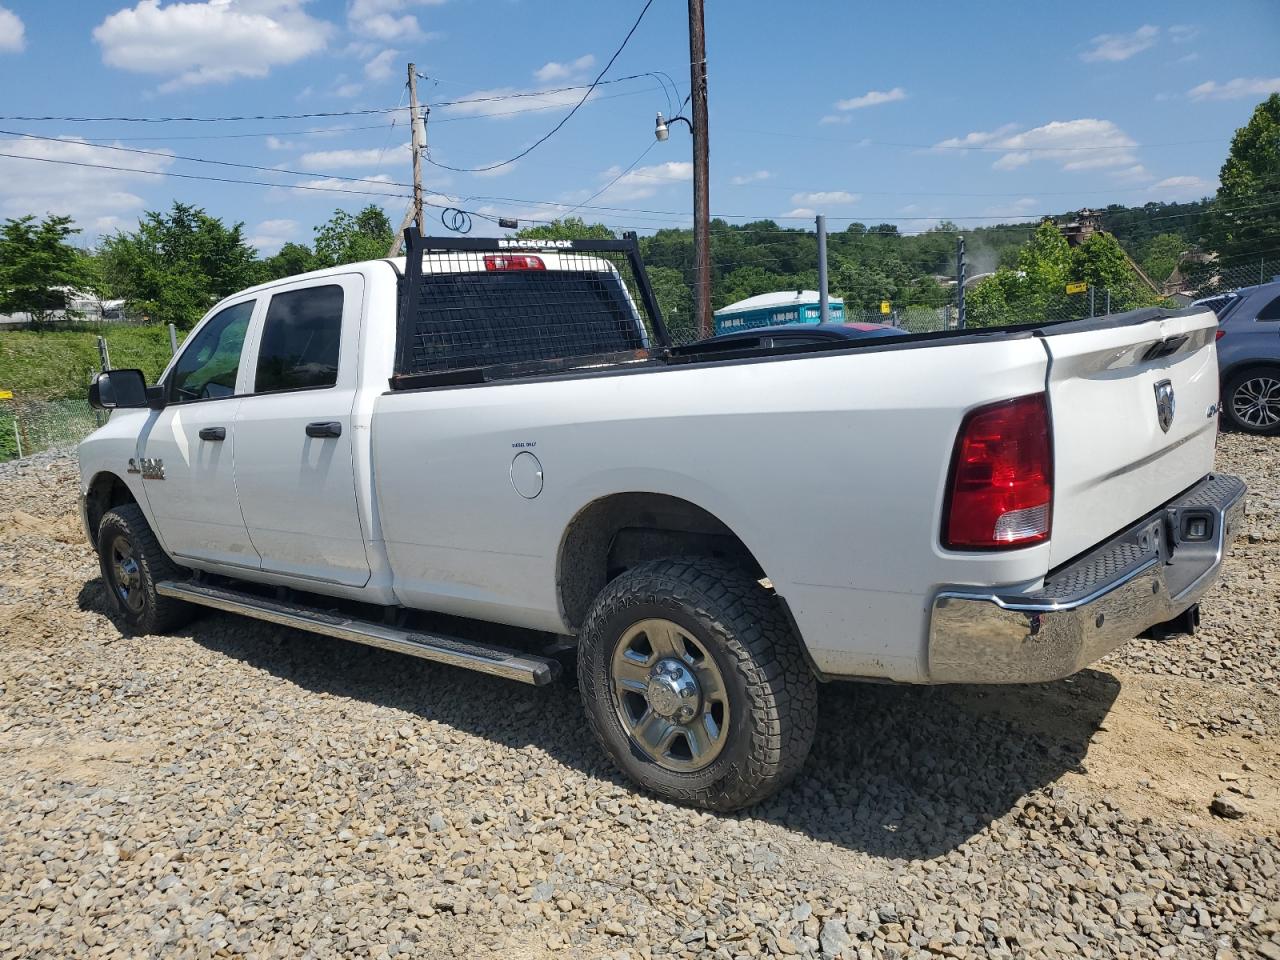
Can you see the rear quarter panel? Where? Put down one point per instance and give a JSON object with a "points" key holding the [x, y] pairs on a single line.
{"points": [[830, 468]]}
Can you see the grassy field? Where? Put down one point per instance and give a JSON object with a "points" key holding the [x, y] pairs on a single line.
{"points": [[48, 365]]}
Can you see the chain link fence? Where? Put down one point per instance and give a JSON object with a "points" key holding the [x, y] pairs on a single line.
{"points": [[29, 427]]}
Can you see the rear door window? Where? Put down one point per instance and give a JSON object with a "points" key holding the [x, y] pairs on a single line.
{"points": [[1271, 311], [300, 340]]}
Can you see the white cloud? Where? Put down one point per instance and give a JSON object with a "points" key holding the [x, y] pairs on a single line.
{"points": [[1183, 188], [12, 32], [1191, 57], [270, 235], [825, 198], [1236, 89], [552, 71], [754, 177], [96, 198], [327, 159], [645, 181], [275, 143], [1085, 144], [835, 118], [495, 102], [382, 66], [798, 213], [387, 19], [872, 98], [978, 138], [1012, 161], [1134, 174], [1113, 47], [215, 41], [331, 183], [1183, 33]]}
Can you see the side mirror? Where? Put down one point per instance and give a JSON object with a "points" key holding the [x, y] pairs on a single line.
{"points": [[118, 389]]}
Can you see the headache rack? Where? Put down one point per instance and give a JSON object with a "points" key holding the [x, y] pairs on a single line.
{"points": [[472, 310]]}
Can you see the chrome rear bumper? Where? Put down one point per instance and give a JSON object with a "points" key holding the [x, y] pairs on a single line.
{"points": [[1149, 574]]}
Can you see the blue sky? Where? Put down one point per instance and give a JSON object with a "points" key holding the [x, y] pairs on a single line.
{"points": [[899, 112]]}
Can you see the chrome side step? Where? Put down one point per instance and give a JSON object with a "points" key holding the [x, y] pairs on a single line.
{"points": [[468, 654]]}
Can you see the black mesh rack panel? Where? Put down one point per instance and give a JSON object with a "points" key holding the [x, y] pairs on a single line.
{"points": [[475, 309]]}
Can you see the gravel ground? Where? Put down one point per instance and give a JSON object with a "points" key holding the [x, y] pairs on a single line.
{"points": [[239, 789]]}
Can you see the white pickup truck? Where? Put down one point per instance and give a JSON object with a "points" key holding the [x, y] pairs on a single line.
{"points": [[499, 431]]}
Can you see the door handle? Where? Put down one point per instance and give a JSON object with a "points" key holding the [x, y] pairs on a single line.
{"points": [[213, 433], [324, 428]]}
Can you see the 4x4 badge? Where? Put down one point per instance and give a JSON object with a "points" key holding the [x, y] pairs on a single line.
{"points": [[1165, 404]]}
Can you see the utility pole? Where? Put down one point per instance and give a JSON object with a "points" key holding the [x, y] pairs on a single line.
{"points": [[960, 317], [701, 155], [824, 305], [418, 143]]}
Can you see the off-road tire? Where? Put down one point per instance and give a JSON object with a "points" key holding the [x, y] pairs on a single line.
{"points": [[156, 614], [771, 689], [1233, 384]]}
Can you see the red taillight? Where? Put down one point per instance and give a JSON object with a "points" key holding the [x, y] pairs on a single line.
{"points": [[514, 263], [1001, 491], [1220, 334]]}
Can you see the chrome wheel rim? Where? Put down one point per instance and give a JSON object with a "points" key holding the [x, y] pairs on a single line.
{"points": [[670, 696], [1257, 402], [126, 575]]}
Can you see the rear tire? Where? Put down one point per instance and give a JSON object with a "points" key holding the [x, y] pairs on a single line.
{"points": [[695, 683], [1251, 400], [132, 563]]}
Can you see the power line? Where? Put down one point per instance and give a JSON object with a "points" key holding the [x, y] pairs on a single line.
{"points": [[643, 154], [329, 131], [565, 119], [525, 94], [193, 176], [265, 116], [368, 111], [220, 163], [317, 131]]}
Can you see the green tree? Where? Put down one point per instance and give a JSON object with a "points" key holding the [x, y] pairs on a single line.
{"points": [[570, 228], [351, 238], [177, 264], [1101, 262], [1164, 252], [675, 300], [1244, 221], [38, 267], [293, 259]]}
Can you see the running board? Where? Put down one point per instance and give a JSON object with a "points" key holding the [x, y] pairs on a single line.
{"points": [[468, 654]]}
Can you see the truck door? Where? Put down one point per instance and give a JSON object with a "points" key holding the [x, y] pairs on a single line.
{"points": [[294, 467], [186, 453]]}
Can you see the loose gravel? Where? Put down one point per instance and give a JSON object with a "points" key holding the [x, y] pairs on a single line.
{"points": [[244, 790]]}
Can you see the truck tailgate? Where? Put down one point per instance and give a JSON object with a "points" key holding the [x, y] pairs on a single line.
{"points": [[1115, 457]]}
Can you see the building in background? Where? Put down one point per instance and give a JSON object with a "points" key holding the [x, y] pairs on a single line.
{"points": [[772, 309]]}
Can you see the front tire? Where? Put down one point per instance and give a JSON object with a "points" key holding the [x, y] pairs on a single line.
{"points": [[1252, 400], [132, 563], [695, 683]]}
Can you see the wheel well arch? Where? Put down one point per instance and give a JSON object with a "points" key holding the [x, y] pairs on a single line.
{"points": [[616, 532], [106, 490], [1261, 363]]}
